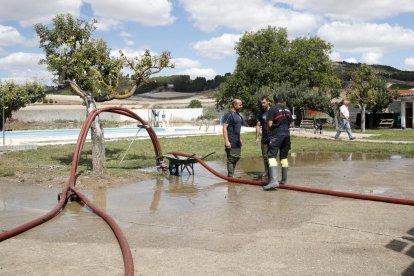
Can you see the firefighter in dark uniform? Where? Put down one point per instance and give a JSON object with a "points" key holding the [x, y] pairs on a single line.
{"points": [[279, 119], [232, 123], [261, 124]]}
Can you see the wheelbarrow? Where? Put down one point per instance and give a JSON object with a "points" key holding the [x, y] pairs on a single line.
{"points": [[177, 164]]}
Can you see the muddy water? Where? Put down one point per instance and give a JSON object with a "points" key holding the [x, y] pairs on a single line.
{"points": [[198, 201], [377, 174]]}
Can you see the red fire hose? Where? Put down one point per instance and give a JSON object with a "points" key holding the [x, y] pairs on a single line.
{"points": [[299, 188], [71, 190]]}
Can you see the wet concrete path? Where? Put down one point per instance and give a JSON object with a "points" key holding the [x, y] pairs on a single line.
{"points": [[201, 225]]}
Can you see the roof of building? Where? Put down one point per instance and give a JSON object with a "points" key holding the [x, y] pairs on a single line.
{"points": [[406, 93]]}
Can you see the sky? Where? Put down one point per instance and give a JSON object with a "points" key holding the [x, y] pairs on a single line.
{"points": [[201, 34]]}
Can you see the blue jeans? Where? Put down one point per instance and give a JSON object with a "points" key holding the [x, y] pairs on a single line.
{"points": [[343, 123]]}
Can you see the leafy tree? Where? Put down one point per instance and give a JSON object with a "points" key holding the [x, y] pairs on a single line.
{"points": [[267, 56], [301, 97], [368, 91], [18, 96], [84, 63], [382, 96]]}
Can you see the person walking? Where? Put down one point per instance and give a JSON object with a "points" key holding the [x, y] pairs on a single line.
{"points": [[261, 126], [232, 122], [279, 119], [344, 121]]}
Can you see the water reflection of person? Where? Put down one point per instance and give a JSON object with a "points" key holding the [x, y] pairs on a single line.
{"points": [[157, 195], [99, 197], [231, 192]]}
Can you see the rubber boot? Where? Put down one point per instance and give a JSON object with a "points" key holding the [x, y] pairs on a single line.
{"points": [[266, 172], [273, 183], [230, 169], [284, 175]]}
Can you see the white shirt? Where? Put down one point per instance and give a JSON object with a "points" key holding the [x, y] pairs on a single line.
{"points": [[344, 111]]}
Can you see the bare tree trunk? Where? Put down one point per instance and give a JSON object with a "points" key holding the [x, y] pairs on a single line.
{"points": [[336, 116], [97, 135], [98, 141], [362, 107]]}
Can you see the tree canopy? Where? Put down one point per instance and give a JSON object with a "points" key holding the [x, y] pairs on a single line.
{"points": [[18, 96], [368, 90], [73, 54], [268, 58]]}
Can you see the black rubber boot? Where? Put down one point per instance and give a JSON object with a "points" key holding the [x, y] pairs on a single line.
{"points": [[284, 175], [266, 172], [273, 183], [230, 169]]}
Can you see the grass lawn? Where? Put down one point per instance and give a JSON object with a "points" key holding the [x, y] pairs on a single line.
{"points": [[50, 163], [392, 134]]}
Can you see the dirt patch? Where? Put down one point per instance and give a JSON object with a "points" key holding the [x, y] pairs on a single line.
{"points": [[86, 180], [14, 124], [90, 180]]}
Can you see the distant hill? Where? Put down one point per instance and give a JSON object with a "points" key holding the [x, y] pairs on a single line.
{"points": [[404, 79]]}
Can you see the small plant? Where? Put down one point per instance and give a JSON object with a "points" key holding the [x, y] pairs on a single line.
{"points": [[207, 116], [5, 173], [195, 104], [45, 101], [50, 101]]}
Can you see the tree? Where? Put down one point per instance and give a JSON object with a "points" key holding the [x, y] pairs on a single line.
{"points": [[267, 56], [301, 97], [85, 64], [18, 96], [367, 90], [382, 96]]}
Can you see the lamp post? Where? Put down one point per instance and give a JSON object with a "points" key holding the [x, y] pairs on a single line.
{"points": [[2, 118]]}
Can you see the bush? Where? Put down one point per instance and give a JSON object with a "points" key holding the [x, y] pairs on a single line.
{"points": [[45, 101], [194, 104], [50, 101]]}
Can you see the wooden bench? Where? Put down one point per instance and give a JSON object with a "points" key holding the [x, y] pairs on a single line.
{"points": [[307, 124], [311, 124], [386, 123]]}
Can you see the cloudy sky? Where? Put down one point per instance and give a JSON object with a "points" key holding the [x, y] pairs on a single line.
{"points": [[200, 34]]}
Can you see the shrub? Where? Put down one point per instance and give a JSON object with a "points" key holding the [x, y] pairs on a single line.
{"points": [[194, 104]]}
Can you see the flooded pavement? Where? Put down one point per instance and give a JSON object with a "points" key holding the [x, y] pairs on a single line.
{"points": [[201, 225]]}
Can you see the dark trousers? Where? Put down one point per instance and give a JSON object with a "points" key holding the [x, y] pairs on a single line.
{"points": [[265, 149], [279, 142], [233, 156]]}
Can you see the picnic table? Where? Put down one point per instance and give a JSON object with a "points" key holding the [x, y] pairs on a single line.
{"points": [[177, 164]]}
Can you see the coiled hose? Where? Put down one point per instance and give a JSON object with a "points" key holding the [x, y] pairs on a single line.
{"points": [[71, 190]]}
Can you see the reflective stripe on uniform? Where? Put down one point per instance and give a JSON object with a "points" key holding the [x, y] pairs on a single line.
{"points": [[272, 162]]}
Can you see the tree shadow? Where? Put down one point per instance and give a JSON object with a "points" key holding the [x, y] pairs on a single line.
{"points": [[404, 246], [85, 159]]}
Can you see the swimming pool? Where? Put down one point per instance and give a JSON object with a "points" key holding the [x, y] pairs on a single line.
{"points": [[75, 132], [65, 136]]}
